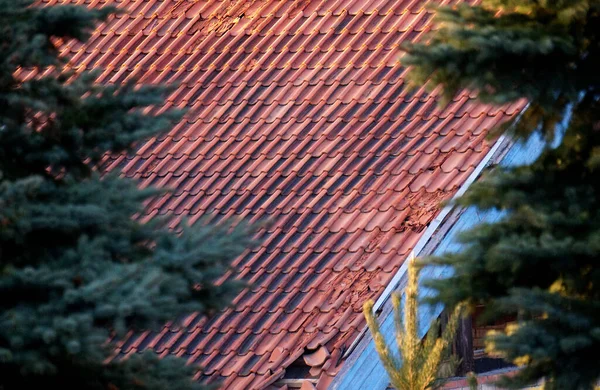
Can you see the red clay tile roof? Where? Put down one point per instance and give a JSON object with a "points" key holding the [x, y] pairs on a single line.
{"points": [[299, 114]]}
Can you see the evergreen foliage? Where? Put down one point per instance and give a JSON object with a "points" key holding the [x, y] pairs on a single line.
{"points": [[541, 260], [417, 365], [76, 267], [472, 381]]}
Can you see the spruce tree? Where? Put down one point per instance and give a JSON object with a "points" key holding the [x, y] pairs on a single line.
{"points": [[76, 267], [541, 259], [417, 365]]}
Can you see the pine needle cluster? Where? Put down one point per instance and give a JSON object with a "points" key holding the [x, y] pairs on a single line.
{"points": [[416, 364]]}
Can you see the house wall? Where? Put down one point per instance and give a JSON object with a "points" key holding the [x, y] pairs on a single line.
{"points": [[485, 382]]}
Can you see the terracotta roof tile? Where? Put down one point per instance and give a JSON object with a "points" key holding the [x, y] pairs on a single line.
{"points": [[298, 114]]}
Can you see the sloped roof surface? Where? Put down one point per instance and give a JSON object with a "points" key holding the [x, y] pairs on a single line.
{"points": [[299, 114]]}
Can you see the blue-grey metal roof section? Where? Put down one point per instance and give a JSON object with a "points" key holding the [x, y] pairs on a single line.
{"points": [[363, 369]]}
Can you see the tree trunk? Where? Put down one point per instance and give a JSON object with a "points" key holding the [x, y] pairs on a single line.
{"points": [[463, 346]]}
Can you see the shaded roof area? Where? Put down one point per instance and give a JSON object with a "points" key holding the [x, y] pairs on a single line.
{"points": [[298, 114]]}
